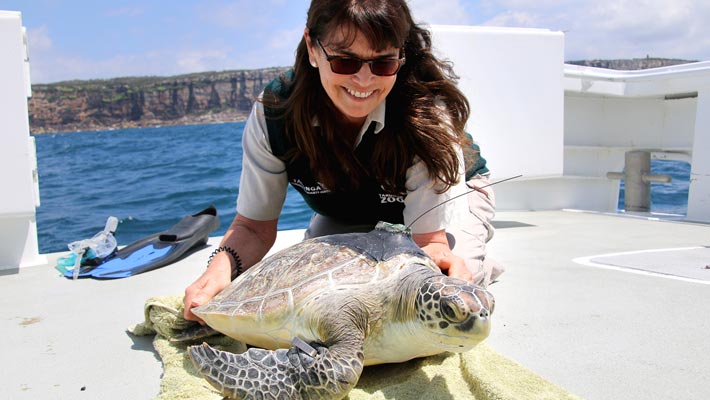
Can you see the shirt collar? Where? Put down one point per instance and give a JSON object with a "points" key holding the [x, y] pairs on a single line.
{"points": [[378, 117]]}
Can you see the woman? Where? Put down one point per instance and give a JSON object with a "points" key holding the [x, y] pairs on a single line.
{"points": [[368, 126]]}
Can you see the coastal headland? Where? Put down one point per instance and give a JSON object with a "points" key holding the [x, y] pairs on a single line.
{"points": [[129, 102], [198, 98]]}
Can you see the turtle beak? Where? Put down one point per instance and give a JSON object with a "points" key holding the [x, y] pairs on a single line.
{"points": [[469, 311], [488, 302]]}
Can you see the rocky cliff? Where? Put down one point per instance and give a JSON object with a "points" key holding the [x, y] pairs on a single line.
{"points": [[206, 97], [146, 101], [631, 64]]}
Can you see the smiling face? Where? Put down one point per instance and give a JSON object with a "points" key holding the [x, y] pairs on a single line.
{"points": [[355, 95]]}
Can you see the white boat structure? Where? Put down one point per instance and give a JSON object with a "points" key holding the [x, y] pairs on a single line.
{"points": [[607, 305]]}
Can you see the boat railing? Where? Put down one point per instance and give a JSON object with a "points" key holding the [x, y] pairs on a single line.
{"points": [[564, 127], [18, 166]]}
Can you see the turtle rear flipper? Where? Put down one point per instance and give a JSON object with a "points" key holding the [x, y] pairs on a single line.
{"points": [[280, 374]]}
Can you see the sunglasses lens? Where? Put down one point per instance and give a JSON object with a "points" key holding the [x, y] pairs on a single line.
{"points": [[345, 66], [384, 67], [349, 66], [352, 65]]}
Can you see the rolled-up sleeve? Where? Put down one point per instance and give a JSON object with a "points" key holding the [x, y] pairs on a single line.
{"points": [[422, 197], [263, 182]]}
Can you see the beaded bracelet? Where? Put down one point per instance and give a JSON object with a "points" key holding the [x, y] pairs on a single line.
{"points": [[237, 270]]}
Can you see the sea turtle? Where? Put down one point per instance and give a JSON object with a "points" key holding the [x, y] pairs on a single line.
{"points": [[328, 306]]}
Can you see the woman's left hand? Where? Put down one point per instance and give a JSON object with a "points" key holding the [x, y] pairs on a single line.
{"points": [[436, 246]]}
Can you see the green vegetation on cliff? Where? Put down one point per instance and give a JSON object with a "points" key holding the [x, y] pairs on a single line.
{"points": [[631, 64], [207, 97]]}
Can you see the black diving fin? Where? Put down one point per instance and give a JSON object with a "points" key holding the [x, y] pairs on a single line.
{"points": [[157, 250]]}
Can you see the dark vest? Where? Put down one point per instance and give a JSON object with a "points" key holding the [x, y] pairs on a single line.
{"points": [[366, 205]]}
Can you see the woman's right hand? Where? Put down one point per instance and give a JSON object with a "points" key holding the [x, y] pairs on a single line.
{"points": [[213, 280], [251, 239]]}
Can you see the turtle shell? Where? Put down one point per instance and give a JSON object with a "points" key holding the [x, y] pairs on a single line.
{"points": [[265, 305]]}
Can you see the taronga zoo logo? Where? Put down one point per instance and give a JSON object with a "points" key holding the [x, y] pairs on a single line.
{"points": [[317, 189], [386, 198]]}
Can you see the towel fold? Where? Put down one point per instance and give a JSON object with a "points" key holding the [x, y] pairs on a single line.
{"points": [[481, 373]]}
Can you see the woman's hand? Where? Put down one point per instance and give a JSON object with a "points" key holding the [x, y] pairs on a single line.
{"points": [[213, 280], [436, 246], [251, 239]]}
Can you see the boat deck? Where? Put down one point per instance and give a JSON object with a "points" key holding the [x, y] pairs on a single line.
{"points": [[601, 332], [569, 307]]}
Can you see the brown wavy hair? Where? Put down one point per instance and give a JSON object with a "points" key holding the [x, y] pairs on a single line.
{"points": [[415, 124]]}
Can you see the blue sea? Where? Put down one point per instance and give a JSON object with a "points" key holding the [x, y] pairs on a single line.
{"points": [[149, 178], [668, 198]]}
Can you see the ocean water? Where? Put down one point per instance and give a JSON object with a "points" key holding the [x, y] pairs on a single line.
{"points": [[149, 178], [667, 198]]}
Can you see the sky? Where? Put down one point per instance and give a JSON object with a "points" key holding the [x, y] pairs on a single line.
{"points": [[90, 39]]}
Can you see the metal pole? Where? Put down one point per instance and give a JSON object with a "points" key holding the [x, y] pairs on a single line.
{"points": [[637, 180], [637, 195]]}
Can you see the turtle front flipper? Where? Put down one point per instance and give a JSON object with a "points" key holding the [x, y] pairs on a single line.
{"points": [[193, 333], [279, 374]]}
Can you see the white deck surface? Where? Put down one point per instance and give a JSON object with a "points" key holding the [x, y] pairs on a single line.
{"points": [[600, 333]]}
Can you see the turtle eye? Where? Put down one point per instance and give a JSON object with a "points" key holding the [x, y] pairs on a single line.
{"points": [[451, 311]]}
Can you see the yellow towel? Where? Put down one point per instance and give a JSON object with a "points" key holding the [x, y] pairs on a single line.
{"points": [[480, 374]]}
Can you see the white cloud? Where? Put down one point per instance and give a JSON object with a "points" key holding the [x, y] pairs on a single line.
{"points": [[242, 15], [39, 43], [515, 18], [286, 39], [128, 11], [39, 39], [614, 28], [247, 34], [448, 12], [634, 28], [538, 4], [201, 60], [636, 19]]}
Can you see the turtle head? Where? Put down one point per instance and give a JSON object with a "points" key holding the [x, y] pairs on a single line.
{"points": [[456, 313]]}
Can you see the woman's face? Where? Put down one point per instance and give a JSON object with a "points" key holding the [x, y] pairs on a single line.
{"points": [[358, 94]]}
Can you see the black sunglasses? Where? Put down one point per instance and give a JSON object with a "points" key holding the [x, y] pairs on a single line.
{"points": [[351, 65]]}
